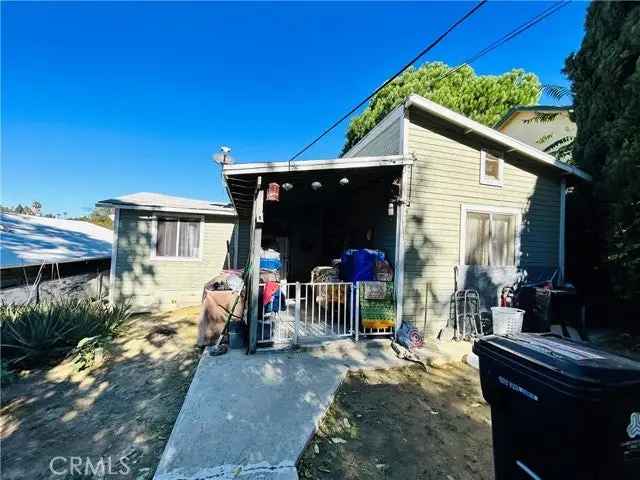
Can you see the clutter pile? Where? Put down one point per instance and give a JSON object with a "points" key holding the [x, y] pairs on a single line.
{"points": [[409, 337], [222, 297]]}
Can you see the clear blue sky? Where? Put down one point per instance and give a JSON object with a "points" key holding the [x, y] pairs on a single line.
{"points": [[105, 99]]}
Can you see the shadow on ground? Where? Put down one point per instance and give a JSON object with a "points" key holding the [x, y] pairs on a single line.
{"points": [[124, 408]]}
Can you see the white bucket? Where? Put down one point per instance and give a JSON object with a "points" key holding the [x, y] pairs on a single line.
{"points": [[507, 320]]}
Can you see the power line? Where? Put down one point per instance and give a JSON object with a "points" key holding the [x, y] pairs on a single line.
{"points": [[411, 62], [506, 37], [489, 48]]}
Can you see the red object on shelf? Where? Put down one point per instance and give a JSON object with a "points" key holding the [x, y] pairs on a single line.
{"points": [[273, 192]]}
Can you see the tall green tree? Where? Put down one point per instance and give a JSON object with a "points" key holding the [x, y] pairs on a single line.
{"points": [[605, 75], [484, 98]]}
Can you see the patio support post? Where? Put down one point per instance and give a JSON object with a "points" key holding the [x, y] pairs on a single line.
{"points": [[296, 315], [356, 291], [255, 249]]}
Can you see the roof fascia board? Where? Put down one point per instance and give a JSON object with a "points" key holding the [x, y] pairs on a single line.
{"points": [[487, 132], [309, 165], [394, 115], [44, 262], [157, 208]]}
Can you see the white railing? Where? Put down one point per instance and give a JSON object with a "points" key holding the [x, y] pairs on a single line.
{"points": [[307, 311]]}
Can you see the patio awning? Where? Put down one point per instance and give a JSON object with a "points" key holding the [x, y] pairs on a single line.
{"points": [[241, 179]]}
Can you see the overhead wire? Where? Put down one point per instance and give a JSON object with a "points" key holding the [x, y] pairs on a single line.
{"points": [[492, 46], [422, 53]]}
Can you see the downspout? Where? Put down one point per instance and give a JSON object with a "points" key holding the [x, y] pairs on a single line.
{"points": [[561, 237], [114, 257]]}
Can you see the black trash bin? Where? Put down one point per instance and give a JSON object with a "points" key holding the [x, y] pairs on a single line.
{"points": [[560, 409]]}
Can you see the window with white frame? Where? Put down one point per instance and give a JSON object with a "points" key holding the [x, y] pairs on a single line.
{"points": [[491, 168], [489, 237], [177, 237]]}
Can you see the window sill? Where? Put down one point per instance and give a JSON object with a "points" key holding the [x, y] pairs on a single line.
{"points": [[176, 259], [491, 183]]}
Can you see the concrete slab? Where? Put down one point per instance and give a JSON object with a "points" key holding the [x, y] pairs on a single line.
{"points": [[251, 417]]}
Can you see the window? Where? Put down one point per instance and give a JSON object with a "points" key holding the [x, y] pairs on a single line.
{"points": [[177, 237], [489, 237], [491, 168]]}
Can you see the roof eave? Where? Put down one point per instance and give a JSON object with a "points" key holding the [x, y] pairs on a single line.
{"points": [[489, 133], [158, 208]]}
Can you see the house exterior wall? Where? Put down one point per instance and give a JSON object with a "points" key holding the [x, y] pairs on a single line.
{"points": [[244, 234], [445, 176], [159, 284], [386, 141], [531, 133]]}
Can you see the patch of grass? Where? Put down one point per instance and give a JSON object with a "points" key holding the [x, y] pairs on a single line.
{"points": [[35, 334]]}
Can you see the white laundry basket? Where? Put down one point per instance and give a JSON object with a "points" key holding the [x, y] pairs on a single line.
{"points": [[506, 320]]}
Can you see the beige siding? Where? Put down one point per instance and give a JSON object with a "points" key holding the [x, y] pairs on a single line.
{"points": [[531, 133], [151, 283], [385, 142], [445, 176]]}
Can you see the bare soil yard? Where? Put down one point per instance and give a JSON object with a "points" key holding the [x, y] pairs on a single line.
{"points": [[405, 424], [124, 407]]}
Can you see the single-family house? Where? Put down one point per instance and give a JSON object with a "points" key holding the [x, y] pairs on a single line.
{"points": [[538, 125], [42, 257], [451, 203], [166, 248]]}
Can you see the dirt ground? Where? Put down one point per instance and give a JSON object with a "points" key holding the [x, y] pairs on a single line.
{"points": [[123, 408], [405, 424]]}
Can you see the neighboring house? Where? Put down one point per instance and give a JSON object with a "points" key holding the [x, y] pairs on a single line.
{"points": [[519, 123], [451, 202], [166, 248], [49, 257]]}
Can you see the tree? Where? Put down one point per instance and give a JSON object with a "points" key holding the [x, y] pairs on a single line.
{"points": [[99, 216], [484, 98], [606, 87]]}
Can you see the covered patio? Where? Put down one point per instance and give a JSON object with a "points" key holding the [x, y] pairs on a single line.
{"points": [[311, 213]]}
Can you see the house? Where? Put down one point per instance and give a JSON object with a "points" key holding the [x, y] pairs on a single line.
{"points": [[166, 248], [520, 123], [49, 257], [451, 202]]}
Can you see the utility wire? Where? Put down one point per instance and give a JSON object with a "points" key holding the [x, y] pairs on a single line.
{"points": [[423, 52], [489, 48]]}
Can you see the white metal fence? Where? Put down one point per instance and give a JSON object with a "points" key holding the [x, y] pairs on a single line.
{"points": [[307, 311]]}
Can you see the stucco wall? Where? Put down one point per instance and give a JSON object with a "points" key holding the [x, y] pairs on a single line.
{"points": [[158, 284], [445, 176]]}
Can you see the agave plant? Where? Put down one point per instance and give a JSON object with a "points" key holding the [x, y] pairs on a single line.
{"points": [[35, 333]]}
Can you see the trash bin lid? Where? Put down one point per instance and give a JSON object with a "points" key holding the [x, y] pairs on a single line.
{"points": [[562, 358]]}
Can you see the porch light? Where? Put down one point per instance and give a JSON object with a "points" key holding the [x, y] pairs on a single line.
{"points": [[390, 209], [287, 186], [344, 181], [316, 185]]}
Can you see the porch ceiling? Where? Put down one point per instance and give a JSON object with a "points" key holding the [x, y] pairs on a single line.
{"points": [[242, 179]]}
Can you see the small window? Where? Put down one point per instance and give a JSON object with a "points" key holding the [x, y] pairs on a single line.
{"points": [[490, 239], [491, 168], [177, 237]]}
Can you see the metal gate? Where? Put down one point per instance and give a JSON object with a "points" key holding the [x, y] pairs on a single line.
{"points": [[308, 311]]}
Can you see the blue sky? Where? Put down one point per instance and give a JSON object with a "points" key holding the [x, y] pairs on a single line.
{"points": [[105, 99]]}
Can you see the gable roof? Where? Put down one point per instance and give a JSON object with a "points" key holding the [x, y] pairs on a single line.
{"points": [[530, 108], [507, 142], [28, 240], [167, 203]]}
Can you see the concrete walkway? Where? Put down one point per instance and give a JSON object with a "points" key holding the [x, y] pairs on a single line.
{"points": [[251, 416]]}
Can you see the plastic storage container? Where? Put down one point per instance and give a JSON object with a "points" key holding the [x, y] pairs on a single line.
{"points": [[506, 320], [560, 409]]}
